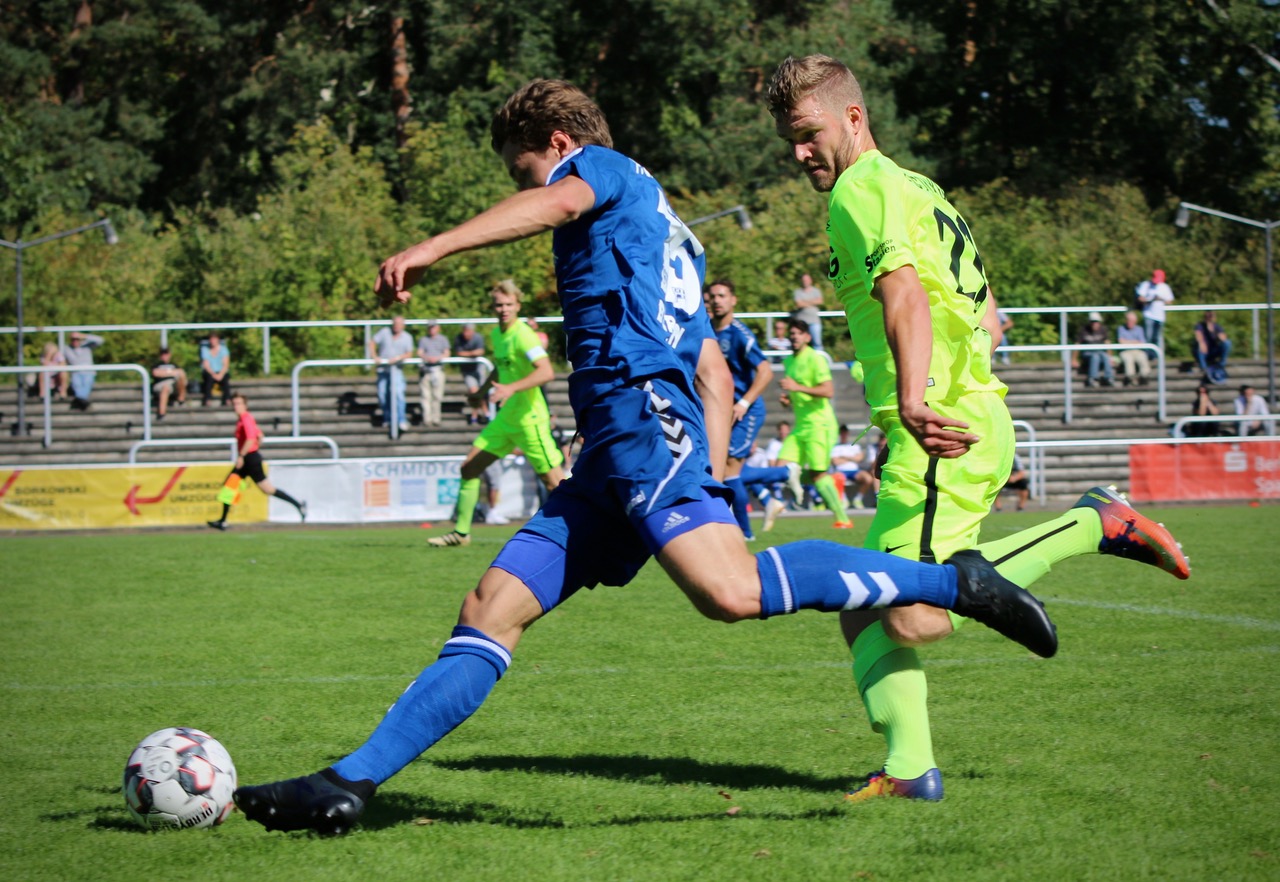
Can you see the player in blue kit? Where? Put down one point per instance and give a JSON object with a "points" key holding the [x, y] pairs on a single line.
{"points": [[653, 400], [751, 375]]}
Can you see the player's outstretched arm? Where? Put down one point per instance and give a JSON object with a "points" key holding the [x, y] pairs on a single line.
{"points": [[524, 214]]}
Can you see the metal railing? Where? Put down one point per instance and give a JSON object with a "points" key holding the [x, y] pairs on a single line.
{"points": [[1268, 421], [393, 425], [369, 325], [231, 444], [1068, 443], [1068, 391], [62, 368]]}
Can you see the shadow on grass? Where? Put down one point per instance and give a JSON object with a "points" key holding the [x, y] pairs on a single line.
{"points": [[657, 770], [396, 809]]}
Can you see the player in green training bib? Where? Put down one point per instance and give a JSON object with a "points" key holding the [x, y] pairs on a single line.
{"points": [[808, 389], [923, 323], [521, 369]]}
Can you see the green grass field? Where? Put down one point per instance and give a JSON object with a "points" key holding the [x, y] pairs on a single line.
{"points": [[633, 739]]}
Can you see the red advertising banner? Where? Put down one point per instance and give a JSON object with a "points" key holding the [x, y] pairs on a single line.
{"points": [[1227, 470]]}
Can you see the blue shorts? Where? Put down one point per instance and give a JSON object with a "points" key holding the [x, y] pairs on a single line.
{"points": [[642, 480], [745, 431]]}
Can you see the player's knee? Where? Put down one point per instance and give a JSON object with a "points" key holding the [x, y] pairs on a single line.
{"points": [[726, 604], [917, 625]]}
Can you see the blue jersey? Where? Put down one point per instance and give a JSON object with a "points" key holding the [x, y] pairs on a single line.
{"points": [[738, 343], [629, 274]]}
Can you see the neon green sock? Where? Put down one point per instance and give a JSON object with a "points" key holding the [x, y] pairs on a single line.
{"points": [[468, 496], [1028, 554], [895, 693], [826, 487]]}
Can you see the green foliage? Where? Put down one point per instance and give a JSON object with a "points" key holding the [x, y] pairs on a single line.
{"points": [[673, 748], [249, 155]]}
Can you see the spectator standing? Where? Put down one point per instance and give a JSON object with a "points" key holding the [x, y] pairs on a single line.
{"points": [[1096, 361], [80, 354], [433, 348], [1211, 347], [1250, 403], [1135, 363], [1204, 405], [808, 299], [1153, 296], [215, 367], [52, 357], [167, 380], [469, 344], [388, 348]]}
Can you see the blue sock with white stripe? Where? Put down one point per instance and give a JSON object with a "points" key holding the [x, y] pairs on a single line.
{"points": [[444, 695], [739, 490], [765, 475], [827, 576]]}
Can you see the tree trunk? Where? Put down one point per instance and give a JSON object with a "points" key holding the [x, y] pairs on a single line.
{"points": [[401, 100]]}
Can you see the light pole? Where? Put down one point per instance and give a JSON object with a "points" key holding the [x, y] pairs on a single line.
{"points": [[110, 232], [1183, 219], [740, 211]]}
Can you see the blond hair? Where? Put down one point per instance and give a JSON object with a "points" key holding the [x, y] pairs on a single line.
{"points": [[508, 287], [821, 75], [538, 109]]}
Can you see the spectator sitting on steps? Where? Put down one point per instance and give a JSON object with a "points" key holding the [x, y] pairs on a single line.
{"points": [[1096, 361]]}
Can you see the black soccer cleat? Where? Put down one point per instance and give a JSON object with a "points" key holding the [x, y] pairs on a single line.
{"points": [[988, 597], [312, 802]]}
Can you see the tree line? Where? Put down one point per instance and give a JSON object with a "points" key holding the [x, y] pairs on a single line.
{"points": [[259, 159]]}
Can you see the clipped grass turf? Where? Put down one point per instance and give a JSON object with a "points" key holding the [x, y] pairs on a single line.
{"points": [[633, 739]]}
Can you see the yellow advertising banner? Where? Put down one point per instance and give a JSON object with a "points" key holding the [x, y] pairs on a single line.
{"points": [[129, 496]]}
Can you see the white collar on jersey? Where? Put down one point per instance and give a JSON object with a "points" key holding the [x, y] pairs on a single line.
{"points": [[565, 159]]}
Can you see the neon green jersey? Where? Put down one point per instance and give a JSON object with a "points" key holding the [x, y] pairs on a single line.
{"points": [[808, 368], [514, 352], [882, 218]]}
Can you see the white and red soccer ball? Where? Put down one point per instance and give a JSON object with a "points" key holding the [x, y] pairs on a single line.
{"points": [[179, 777]]}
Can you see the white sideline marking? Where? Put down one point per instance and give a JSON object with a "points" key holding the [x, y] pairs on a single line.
{"points": [[1238, 621]]}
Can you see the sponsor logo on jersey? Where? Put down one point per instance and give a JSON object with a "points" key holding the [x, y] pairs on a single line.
{"points": [[882, 250]]}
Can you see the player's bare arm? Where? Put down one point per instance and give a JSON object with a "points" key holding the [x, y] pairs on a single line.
{"points": [[909, 330], [524, 214], [825, 389], [763, 377], [991, 321], [715, 388], [541, 374]]}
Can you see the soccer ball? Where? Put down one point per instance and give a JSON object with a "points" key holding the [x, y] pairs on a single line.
{"points": [[179, 777]]}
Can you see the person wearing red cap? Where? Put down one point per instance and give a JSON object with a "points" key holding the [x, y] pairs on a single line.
{"points": [[1153, 294]]}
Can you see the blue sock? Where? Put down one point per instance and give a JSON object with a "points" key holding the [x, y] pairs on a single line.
{"points": [[740, 504], [755, 475], [443, 696], [827, 576]]}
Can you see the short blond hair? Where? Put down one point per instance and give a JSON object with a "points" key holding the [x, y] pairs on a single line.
{"points": [[821, 75], [508, 287]]}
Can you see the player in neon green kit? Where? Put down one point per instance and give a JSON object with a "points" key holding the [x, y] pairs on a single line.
{"points": [[521, 368], [807, 388], [922, 319]]}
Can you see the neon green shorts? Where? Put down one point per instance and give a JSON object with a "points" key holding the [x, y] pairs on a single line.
{"points": [[530, 432], [810, 448], [930, 508]]}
